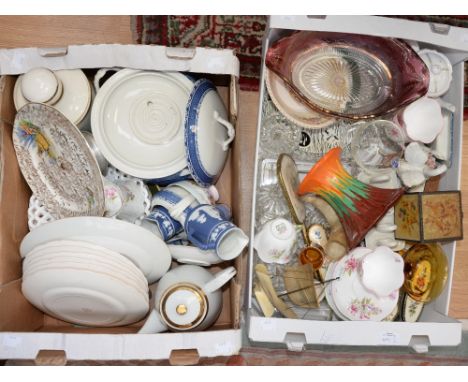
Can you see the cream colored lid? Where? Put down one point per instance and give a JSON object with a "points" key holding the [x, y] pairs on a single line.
{"points": [[183, 306]]}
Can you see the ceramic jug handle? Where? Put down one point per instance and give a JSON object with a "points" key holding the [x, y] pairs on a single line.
{"points": [[101, 73], [436, 171], [153, 324], [220, 278], [230, 130]]}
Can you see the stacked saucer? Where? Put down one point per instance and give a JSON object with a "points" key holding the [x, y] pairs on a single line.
{"points": [[85, 284]]}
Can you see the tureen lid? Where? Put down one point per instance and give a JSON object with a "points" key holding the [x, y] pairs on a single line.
{"points": [[138, 122], [207, 133], [183, 306]]}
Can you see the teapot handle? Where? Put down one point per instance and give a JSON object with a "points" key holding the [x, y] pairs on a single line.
{"points": [[230, 130], [220, 278], [153, 324]]}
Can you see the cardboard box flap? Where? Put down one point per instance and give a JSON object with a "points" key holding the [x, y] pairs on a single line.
{"points": [[455, 38], [122, 346], [144, 57]]}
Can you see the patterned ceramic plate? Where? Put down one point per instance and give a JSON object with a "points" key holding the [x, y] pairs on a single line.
{"points": [[57, 163], [351, 298]]}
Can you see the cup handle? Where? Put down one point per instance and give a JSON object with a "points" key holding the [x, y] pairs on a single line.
{"points": [[101, 73], [220, 278], [436, 171], [153, 324], [230, 130], [179, 208]]}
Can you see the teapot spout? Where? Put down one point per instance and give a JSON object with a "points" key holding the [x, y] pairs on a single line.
{"points": [[153, 324]]}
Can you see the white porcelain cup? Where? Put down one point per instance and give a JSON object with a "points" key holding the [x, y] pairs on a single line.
{"points": [[422, 120], [187, 297], [382, 271], [275, 241]]}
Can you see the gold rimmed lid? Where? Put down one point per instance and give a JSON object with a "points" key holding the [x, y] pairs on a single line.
{"points": [[183, 306]]}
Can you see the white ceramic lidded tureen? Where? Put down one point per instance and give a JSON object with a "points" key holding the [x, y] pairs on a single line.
{"points": [[208, 133], [137, 121], [69, 91]]}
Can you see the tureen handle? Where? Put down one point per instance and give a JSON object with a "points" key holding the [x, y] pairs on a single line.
{"points": [[101, 73], [230, 130], [220, 278]]}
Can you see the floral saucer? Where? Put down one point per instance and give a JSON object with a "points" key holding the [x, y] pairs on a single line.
{"points": [[351, 298]]}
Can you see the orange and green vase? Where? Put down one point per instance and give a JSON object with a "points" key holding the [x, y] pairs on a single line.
{"points": [[359, 206]]}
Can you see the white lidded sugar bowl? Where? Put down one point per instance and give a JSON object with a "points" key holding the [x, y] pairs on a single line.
{"points": [[187, 298], [68, 91]]}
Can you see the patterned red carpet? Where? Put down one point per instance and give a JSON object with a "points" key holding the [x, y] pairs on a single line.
{"points": [[243, 34]]}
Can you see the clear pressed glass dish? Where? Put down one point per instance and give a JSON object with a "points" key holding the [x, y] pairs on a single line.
{"points": [[350, 76]]}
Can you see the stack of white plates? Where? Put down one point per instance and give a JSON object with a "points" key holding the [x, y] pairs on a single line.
{"points": [[85, 284], [92, 271], [348, 297]]}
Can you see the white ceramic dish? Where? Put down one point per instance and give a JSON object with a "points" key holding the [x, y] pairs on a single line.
{"points": [[440, 70], [291, 107], [82, 296], [76, 260], [208, 133], [75, 99], [143, 248], [351, 298], [188, 254], [37, 213], [57, 163], [138, 122], [86, 253]]}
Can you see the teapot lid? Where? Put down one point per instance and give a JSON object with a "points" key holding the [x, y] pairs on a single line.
{"points": [[39, 85], [183, 306]]}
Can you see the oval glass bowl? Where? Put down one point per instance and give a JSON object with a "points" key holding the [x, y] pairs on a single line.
{"points": [[349, 76], [426, 272]]}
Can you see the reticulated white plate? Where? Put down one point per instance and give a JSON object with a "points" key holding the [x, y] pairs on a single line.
{"points": [[76, 97], [291, 107], [138, 122], [140, 246], [85, 253], [351, 298], [85, 297], [57, 163], [37, 213]]}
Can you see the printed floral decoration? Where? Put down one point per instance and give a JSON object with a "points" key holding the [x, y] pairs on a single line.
{"points": [[351, 265], [408, 215], [363, 308], [111, 193], [31, 135]]}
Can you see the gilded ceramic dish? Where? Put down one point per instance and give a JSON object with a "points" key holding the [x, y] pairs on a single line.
{"points": [[57, 163]]}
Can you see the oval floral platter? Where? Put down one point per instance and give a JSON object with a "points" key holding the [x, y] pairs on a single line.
{"points": [[57, 163]]}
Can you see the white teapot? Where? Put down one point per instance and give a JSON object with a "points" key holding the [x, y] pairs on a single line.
{"points": [[187, 298]]}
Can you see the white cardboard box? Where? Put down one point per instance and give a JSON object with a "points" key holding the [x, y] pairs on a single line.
{"points": [[434, 328], [24, 331]]}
